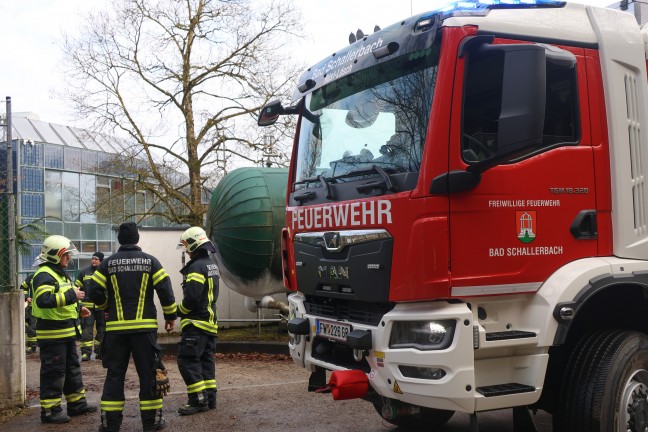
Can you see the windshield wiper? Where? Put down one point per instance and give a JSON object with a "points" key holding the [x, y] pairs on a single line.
{"points": [[309, 194], [385, 182]]}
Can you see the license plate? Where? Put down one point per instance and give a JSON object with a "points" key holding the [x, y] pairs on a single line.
{"points": [[333, 330]]}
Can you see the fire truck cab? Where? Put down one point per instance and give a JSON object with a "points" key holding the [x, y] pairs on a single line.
{"points": [[467, 215]]}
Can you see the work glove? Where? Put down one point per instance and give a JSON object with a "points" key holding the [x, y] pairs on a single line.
{"points": [[162, 385]]}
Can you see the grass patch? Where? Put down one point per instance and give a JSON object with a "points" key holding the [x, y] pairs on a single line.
{"points": [[269, 333]]}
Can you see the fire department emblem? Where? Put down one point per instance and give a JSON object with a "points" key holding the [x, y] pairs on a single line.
{"points": [[526, 225]]}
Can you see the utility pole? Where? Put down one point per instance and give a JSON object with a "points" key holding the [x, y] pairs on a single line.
{"points": [[11, 214]]}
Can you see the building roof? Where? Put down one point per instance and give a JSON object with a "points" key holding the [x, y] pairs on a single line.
{"points": [[27, 126]]}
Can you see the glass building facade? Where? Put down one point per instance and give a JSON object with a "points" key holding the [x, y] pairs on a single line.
{"points": [[67, 180]]}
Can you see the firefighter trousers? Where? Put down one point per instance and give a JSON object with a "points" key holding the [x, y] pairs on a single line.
{"points": [[60, 372], [116, 350], [196, 364], [88, 339]]}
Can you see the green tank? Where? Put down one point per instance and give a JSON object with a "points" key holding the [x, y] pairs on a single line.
{"points": [[246, 214]]}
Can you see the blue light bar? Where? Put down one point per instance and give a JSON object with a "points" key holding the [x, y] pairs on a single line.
{"points": [[479, 7]]}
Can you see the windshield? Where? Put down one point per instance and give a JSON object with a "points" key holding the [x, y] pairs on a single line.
{"points": [[375, 117]]}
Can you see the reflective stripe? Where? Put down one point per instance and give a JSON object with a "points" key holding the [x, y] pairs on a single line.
{"points": [[103, 306], [210, 299], [171, 309], [154, 404], [112, 405], [183, 309], [203, 325], [158, 276], [196, 277], [196, 387], [42, 289], [75, 396], [99, 278], [60, 299], [87, 304], [118, 305], [142, 296], [86, 344], [50, 403], [150, 323], [56, 334], [210, 384]]}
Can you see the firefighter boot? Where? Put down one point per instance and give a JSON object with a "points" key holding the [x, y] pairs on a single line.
{"points": [[54, 415], [80, 407], [197, 403], [111, 421], [152, 420], [211, 399]]}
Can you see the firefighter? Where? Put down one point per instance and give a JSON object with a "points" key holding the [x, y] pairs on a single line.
{"points": [[55, 305], [123, 284], [198, 322], [96, 317], [30, 319]]}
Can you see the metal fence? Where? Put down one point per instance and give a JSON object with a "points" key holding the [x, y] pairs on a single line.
{"points": [[8, 280]]}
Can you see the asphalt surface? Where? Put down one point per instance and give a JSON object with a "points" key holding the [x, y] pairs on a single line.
{"points": [[256, 392]]}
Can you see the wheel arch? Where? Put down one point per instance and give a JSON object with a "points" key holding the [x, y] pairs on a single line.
{"points": [[606, 302]]}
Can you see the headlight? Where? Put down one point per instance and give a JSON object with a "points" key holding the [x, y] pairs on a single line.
{"points": [[422, 335]]}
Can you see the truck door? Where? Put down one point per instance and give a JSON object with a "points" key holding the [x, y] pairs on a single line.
{"points": [[530, 216]]}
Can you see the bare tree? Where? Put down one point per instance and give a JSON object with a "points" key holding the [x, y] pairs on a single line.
{"points": [[183, 80]]}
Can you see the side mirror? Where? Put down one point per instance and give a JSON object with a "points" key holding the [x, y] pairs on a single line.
{"points": [[521, 119], [270, 113]]}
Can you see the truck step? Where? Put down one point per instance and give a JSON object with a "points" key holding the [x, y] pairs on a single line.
{"points": [[505, 389], [512, 334]]}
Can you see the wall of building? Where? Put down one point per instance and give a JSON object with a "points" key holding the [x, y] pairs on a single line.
{"points": [[162, 244]]}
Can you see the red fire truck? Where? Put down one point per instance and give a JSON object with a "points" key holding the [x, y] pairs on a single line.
{"points": [[467, 215]]}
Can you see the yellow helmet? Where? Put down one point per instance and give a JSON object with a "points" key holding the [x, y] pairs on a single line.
{"points": [[193, 238], [54, 247]]}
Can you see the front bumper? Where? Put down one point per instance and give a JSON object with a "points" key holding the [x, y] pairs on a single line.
{"points": [[454, 390]]}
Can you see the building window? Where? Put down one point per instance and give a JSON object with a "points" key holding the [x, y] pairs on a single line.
{"points": [[88, 191], [32, 205], [32, 154], [89, 161], [71, 197], [31, 179], [54, 227], [53, 156], [53, 197], [72, 159]]}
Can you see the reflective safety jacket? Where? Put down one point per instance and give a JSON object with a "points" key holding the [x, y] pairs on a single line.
{"points": [[123, 285], [200, 292], [83, 278], [55, 304]]}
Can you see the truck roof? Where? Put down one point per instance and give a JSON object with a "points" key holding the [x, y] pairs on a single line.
{"points": [[545, 21]]}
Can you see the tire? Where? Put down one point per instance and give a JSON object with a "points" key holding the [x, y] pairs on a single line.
{"points": [[426, 418], [605, 385]]}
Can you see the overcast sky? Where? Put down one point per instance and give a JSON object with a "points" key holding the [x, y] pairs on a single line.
{"points": [[30, 35]]}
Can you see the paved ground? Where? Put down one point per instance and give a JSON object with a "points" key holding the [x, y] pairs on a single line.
{"points": [[257, 392]]}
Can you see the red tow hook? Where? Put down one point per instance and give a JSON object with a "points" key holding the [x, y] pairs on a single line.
{"points": [[349, 384]]}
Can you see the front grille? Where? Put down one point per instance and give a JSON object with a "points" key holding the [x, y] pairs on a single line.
{"points": [[348, 310]]}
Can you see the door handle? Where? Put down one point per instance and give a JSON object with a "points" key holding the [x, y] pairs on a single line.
{"points": [[584, 225]]}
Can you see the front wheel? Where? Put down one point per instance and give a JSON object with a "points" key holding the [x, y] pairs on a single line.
{"points": [[410, 417], [605, 386]]}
